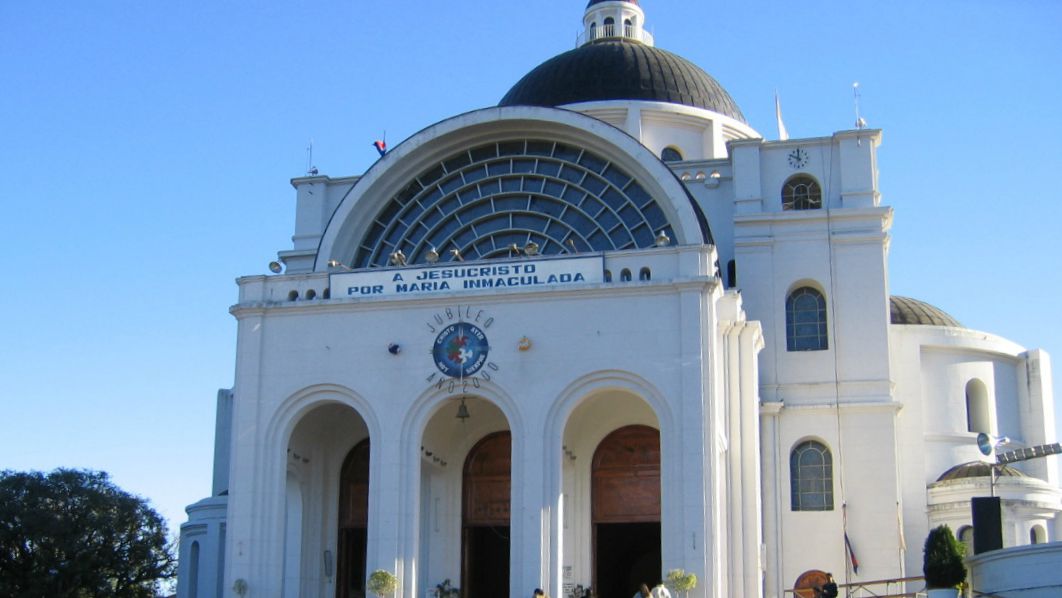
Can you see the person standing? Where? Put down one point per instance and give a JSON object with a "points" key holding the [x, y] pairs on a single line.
{"points": [[643, 592]]}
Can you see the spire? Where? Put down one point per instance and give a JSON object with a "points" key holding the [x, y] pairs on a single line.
{"points": [[614, 19]]}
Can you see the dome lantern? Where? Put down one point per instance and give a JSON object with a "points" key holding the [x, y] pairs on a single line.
{"points": [[614, 19]]}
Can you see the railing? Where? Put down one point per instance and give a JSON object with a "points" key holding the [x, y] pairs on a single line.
{"points": [[881, 588], [606, 31]]}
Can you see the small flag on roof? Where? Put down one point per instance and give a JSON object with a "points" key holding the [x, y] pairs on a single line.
{"points": [[381, 146]]}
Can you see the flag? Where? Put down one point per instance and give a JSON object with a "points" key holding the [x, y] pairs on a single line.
{"points": [[381, 146], [782, 133], [851, 553]]}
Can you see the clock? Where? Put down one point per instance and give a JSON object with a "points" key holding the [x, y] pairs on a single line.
{"points": [[798, 158]]}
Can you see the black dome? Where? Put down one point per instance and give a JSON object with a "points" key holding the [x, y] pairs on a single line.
{"points": [[620, 70]]}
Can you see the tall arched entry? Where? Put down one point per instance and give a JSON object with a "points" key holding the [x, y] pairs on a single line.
{"points": [[625, 511], [353, 523], [485, 517]]}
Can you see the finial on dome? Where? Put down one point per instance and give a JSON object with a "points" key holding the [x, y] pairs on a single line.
{"points": [[614, 19]]}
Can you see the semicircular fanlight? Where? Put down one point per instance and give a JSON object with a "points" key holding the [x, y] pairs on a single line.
{"points": [[488, 199]]}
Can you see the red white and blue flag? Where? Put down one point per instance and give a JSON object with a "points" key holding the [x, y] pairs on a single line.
{"points": [[381, 146], [851, 554]]}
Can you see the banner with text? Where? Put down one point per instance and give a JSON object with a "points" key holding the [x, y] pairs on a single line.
{"points": [[460, 276]]}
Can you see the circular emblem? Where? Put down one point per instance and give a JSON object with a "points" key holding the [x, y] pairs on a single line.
{"points": [[460, 350]]}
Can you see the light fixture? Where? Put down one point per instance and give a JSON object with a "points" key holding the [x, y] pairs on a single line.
{"points": [[398, 258], [455, 255], [571, 245], [462, 411], [394, 348], [988, 444], [338, 264], [662, 240], [514, 248], [531, 248], [276, 267], [432, 256]]}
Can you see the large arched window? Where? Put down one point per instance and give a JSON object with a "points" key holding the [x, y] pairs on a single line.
{"points": [[801, 193], [483, 200], [805, 320], [978, 407], [811, 477]]}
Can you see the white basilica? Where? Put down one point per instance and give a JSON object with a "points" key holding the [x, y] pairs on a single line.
{"points": [[597, 332]]}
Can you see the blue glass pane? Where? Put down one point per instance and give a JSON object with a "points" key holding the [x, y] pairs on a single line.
{"points": [[484, 199]]}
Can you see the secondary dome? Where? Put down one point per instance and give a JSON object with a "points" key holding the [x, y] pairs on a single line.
{"points": [[912, 312], [618, 69]]}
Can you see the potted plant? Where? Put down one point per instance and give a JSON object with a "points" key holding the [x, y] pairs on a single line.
{"points": [[680, 581], [382, 583], [445, 590], [943, 563]]}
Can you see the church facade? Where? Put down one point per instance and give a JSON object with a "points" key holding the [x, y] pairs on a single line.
{"points": [[599, 332]]}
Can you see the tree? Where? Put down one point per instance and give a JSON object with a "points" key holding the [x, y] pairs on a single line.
{"points": [[680, 581], [73, 534], [382, 583], [942, 559]]}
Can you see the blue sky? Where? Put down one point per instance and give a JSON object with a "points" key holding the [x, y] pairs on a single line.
{"points": [[147, 148]]}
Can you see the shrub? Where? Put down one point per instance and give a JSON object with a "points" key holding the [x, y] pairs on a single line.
{"points": [[943, 559]]}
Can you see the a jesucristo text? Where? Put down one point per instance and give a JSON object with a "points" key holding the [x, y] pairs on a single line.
{"points": [[466, 277], [482, 277]]}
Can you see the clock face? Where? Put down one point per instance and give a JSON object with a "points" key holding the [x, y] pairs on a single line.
{"points": [[798, 158]]}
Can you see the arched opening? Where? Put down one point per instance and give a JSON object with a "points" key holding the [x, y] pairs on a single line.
{"points": [[628, 28], [625, 275], [811, 477], [485, 517], [1037, 535], [353, 522], [801, 193], [966, 536], [610, 27], [805, 320], [625, 510], [193, 571], [645, 274], [671, 154], [978, 407]]}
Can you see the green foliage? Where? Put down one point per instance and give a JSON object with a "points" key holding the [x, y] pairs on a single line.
{"points": [[382, 582], [943, 559], [680, 581], [73, 534]]}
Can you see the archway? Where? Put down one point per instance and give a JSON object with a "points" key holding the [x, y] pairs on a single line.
{"points": [[485, 517], [625, 511], [352, 541]]}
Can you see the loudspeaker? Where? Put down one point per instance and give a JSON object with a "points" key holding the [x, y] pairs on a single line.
{"points": [[987, 523]]}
